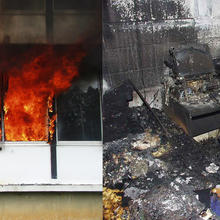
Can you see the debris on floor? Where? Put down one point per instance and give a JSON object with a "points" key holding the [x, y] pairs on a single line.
{"points": [[164, 176], [160, 177], [112, 208]]}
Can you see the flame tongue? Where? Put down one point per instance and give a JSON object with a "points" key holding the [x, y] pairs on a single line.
{"points": [[52, 117], [26, 101]]}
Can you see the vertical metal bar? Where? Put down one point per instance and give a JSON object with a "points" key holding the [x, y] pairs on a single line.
{"points": [[53, 140], [2, 110], [49, 21], [2, 120], [100, 79], [53, 143], [4, 88], [53, 155]]}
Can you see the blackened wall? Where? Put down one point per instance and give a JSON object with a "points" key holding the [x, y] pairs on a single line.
{"points": [[137, 35]]}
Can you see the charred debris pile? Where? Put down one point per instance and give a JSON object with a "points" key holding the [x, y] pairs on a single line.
{"points": [[160, 177]]}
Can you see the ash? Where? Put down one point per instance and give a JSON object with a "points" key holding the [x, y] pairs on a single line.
{"points": [[160, 178]]}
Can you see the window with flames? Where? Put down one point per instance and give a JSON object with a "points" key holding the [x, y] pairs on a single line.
{"points": [[40, 91]]}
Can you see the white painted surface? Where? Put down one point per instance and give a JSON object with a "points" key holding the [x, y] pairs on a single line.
{"points": [[215, 9], [204, 8], [79, 164], [25, 166]]}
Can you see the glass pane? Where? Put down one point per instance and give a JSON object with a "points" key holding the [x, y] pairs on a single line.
{"points": [[74, 5], [34, 5]]}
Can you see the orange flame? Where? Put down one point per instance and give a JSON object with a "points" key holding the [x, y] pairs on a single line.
{"points": [[52, 126], [29, 88]]}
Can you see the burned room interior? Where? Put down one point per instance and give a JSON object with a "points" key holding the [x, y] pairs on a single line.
{"points": [[161, 109]]}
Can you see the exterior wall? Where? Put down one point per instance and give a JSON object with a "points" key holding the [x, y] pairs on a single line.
{"points": [[69, 26], [75, 27], [51, 206], [78, 164], [23, 28], [19, 27], [139, 33]]}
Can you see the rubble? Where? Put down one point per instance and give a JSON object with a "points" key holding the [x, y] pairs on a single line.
{"points": [[212, 168], [147, 142], [159, 177], [167, 201], [112, 207]]}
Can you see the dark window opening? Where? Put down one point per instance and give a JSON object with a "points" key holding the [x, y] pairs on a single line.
{"points": [[33, 5], [75, 5], [79, 117]]}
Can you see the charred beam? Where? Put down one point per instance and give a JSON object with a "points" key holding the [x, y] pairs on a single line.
{"points": [[3, 90], [148, 106]]}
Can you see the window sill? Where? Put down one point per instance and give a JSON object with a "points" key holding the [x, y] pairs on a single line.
{"points": [[52, 188]]}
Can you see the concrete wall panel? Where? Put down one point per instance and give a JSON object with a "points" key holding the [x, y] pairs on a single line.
{"points": [[23, 28], [51, 206], [73, 28]]}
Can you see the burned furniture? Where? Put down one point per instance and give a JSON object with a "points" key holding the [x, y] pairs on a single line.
{"points": [[191, 91]]}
